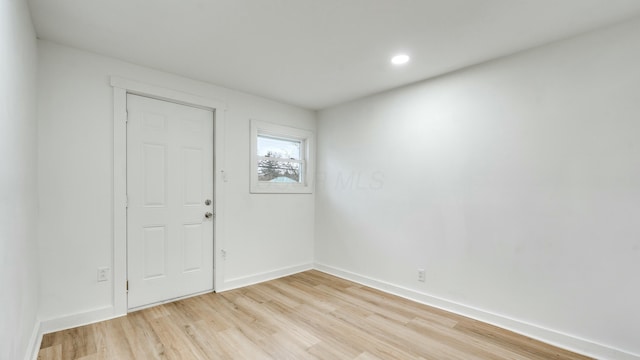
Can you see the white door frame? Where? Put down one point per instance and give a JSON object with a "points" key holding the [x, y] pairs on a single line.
{"points": [[122, 87]]}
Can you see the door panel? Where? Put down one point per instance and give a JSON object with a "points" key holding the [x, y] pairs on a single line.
{"points": [[155, 174], [155, 252], [192, 245], [169, 177]]}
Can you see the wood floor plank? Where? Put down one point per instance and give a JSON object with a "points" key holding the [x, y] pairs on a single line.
{"points": [[51, 352], [310, 315]]}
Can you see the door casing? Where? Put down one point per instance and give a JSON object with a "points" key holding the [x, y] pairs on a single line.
{"points": [[122, 87]]}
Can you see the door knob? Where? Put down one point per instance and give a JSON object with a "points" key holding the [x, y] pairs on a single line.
{"points": [[208, 215], [207, 202]]}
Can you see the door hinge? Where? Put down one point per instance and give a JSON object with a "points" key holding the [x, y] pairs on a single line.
{"points": [[127, 285], [126, 201], [126, 118]]}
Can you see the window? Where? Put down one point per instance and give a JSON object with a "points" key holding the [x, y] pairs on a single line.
{"points": [[281, 160]]}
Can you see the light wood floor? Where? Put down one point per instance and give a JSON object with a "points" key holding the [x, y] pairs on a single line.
{"points": [[310, 315]]}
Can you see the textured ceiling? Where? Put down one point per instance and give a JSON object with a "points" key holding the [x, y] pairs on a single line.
{"points": [[316, 53]]}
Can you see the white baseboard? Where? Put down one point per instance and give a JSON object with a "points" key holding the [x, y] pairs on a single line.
{"points": [[34, 342], [109, 312], [262, 277], [565, 341], [66, 322], [549, 336], [78, 319]]}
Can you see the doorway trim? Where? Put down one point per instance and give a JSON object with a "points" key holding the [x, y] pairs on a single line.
{"points": [[122, 87]]}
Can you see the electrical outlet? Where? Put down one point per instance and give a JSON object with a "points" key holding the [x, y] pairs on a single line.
{"points": [[421, 275], [103, 274]]}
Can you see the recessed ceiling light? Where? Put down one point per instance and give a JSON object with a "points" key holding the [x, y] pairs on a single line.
{"points": [[400, 59]]}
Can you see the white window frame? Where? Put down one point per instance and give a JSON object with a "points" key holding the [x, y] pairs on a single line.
{"points": [[307, 140]]}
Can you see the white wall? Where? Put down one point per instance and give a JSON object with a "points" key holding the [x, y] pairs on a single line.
{"points": [[515, 184], [18, 170], [76, 182]]}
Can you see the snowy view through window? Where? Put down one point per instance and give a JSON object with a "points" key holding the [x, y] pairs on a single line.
{"points": [[279, 160]]}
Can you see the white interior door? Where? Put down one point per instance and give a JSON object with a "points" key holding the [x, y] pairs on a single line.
{"points": [[170, 193]]}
